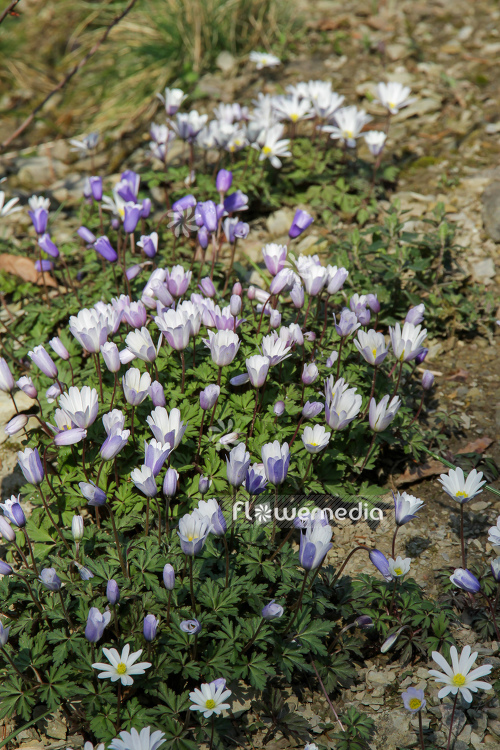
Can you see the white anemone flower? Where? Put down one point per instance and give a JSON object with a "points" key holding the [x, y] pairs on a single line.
{"points": [[407, 343], [167, 428], [381, 415], [133, 740], [459, 488], [348, 124], [494, 536], [264, 60], [315, 438], [371, 345], [38, 201], [209, 698], [9, 207], [375, 140], [121, 666], [399, 567], [458, 677], [272, 145], [140, 343], [81, 405], [393, 96]]}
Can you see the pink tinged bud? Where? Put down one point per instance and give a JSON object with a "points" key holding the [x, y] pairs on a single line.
{"points": [[373, 303], [157, 394], [279, 408], [280, 281], [237, 288], [275, 319], [70, 437], [235, 305], [16, 424], [6, 530], [209, 396], [6, 378], [161, 292], [43, 361], [133, 271], [310, 336], [86, 235], [25, 384], [427, 380], [251, 292], [309, 374], [169, 577], [204, 484], [297, 295], [111, 356], [207, 287], [170, 482], [126, 356], [415, 315], [301, 221], [58, 347]]}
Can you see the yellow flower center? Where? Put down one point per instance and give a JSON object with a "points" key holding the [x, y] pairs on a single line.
{"points": [[374, 352], [121, 668], [415, 703], [315, 444], [391, 105], [294, 117], [462, 493], [349, 133], [266, 150], [458, 680], [398, 571], [210, 703], [121, 213]]}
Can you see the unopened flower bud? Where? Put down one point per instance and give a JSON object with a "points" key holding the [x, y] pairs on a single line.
{"points": [[235, 305], [427, 380], [272, 610], [157, 393], [150, 627], [5, 569], [16, 424], [204, 484], [421, 356], [170, 482], [112, 592], [169, 577], [279, 408], [251, 292], [237, 288], [77, 528], [275, 319], [6, 530], [209, 396]]}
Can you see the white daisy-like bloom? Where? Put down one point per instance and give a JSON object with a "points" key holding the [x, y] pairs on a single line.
{"points": [[81, 405], [371, 345], [139, 342], [210, 697], [375, 140], [264, 60], [399, 567], [275, 348], [90, 746], [38, 201], [393, 96], [121, 666], [407, 343], [494, 536], [272, 145], [315, 438], [133, 740], [348, 123], [292, 108], [458, 677], [459, 488], [87, 143], [9, 207]]}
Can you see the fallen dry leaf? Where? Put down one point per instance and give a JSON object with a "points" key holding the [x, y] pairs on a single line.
{"points": [[25, 269], [459, 374], [477, 446], [422, 471]]}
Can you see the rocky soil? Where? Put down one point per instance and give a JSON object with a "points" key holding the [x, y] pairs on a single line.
{"points": [[447, 143]]}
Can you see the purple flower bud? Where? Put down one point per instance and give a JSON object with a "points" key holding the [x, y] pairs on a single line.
{"points": [[43, 361], [39, 218], [381, 563], [373, 303], [4, 635], [415, 314], [94, 495], [310, 373], [48, 246], [272, 610], [208, 213], [58, 347], [50, 579], [85, 573], [169, 577], [17, 515], [297, 295], [96, 622], [31, 465], [203, 237], [300, 222], [150, 627], [364, 316], [311, 409], [157, 393], [235, 305], [25, 384], [146, 208], [6, 377], [204, 484], [192, 627], [206, 285], [111, 356], [16, 424], [149, 244], [170, 482], [5, 569], [43, 266], [495, 569], [275, 318], [131, 218], [427, 380], [209, 396], [237, 289], [6, 530], [223, 181], [237, 201], [133, 271], [112, 592], [96, 187], [115, 222], [364, 622], [465, 580], [188, 201], [251, 292], [279, 408], [86, 235], [104, 248], [421, 356], [113, 444]]}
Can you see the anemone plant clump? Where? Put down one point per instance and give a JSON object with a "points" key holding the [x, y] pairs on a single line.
{"points": [[179, 530]]}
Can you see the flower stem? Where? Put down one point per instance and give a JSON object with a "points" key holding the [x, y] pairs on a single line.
{"points": [[451, 722], [45, 505], [421, 730], [327, 696], [371, 392], [183, 371], [285, 540], [66, 614], [394, 543], [191, 587], [117, 542], [251, 641], [398, 380], [351, 553], [462, 538], [226, 550], [369, 451], [339, 358], [118, 706], [114, 392]]}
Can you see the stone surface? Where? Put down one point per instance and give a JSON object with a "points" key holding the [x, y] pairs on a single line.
{"points": [[491, 210]]}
